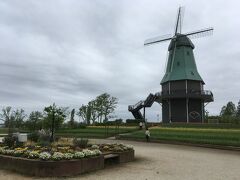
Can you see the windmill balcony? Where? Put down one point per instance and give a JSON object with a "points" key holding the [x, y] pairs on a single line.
{"points": [[205, 95]]}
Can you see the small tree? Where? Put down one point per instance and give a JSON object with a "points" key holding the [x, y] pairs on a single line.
{"points": [[7, 118], [85, 113], [34, 121], [238, 110], [228, 110], [19, 117], [92, 105], [54, 118], [12, 118], [106, 104], [71, 122]]}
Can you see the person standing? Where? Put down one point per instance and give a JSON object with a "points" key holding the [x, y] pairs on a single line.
{"points": [[140, 125], [147, 134]]}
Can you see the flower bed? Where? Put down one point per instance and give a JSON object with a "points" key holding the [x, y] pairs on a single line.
{"points": [[45, 154], [60, 160], [50, 168]]}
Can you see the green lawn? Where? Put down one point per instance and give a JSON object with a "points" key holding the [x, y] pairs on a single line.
{"points": [[205, 126], [230, 137], [98, 132], [3, 130]]}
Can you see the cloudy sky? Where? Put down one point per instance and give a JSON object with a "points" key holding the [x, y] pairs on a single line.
{"points": [[70, 51]]}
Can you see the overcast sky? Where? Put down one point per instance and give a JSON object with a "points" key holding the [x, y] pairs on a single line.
{"points": [[70, 51]]}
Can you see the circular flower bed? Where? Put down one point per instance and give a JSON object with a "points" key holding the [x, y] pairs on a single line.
{"points": [[60, 152]]}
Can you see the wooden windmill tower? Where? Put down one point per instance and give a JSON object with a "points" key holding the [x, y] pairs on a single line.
{"points": [[183, 95]]}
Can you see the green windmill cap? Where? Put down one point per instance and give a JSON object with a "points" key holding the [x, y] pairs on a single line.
{"points": [[181, 62]]}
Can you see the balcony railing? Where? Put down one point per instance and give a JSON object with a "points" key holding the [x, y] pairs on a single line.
{"points": [[206, 95]]}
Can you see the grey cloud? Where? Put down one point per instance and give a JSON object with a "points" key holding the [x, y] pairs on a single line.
{"points": [[70, 51]]}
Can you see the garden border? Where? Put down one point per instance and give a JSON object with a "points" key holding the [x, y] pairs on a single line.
{"points": [[36, 167]]}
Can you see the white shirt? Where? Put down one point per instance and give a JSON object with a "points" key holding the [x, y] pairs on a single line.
{"points": [[147, 133]]}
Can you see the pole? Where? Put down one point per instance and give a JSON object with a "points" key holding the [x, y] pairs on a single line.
{"points": [[187, 110], [144, 117], [53, 122]]}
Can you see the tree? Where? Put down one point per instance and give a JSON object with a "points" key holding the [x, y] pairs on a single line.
{"points": [[71, 123], [7, 118], [110, 104], [34, 121], [238, 110], [19, 117], [228, 110], [105, 106], [12, 119], [92, 105], [85, 113], [98, 109], [54, 118]]}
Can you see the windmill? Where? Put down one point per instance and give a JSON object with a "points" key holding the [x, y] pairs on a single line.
{"points": [[178, 31], [182, 97]]}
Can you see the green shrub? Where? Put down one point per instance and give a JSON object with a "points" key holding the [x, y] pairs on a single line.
{"points": [[34, 136], [10, 141], [44, 143], [45, 137], [82, 126], [82, 143]]}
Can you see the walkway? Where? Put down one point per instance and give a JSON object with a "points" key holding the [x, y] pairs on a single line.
{"points": [[167, 162]]}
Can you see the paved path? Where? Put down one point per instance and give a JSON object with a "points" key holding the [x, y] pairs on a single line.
{"points": [[167, 162]]}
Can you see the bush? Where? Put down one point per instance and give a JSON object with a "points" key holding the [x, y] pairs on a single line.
{"points": [[82, 126], [44, 143], [34, 136], [44, 137], [10, 141], [82, 143], [133, 121]]}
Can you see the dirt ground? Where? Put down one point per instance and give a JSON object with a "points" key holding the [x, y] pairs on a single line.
{"points": [[163, 161]]}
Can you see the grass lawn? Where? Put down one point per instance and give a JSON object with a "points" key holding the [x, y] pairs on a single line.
{"points": [[205, 126], [215, 136], [94, 131], [3, 130]]}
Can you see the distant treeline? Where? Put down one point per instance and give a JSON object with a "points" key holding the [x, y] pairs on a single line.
{"points": [[97, 111]]}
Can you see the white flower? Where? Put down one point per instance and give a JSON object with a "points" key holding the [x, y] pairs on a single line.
{"points": [[57, 156], [8, 152], [2, 150], [18, 152], [44, 156], [128, 146], [68, 155], [88, 152], [33, 154], [95, 146], [79, 155], [97, 152]]}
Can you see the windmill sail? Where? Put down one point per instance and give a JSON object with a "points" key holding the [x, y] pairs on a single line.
{"points": [[179, 21], [158, 39], [178, 31], [200, 33]]}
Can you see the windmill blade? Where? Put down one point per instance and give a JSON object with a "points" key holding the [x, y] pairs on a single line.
{"points": [[200, 33], [179, 21], [158, 39]]}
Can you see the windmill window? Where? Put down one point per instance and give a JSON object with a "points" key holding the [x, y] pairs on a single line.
{"points": [[188, 53], [178, 63], [192, 73]]}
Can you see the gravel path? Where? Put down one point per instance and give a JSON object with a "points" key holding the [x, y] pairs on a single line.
{"points": [[168, 162]]}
